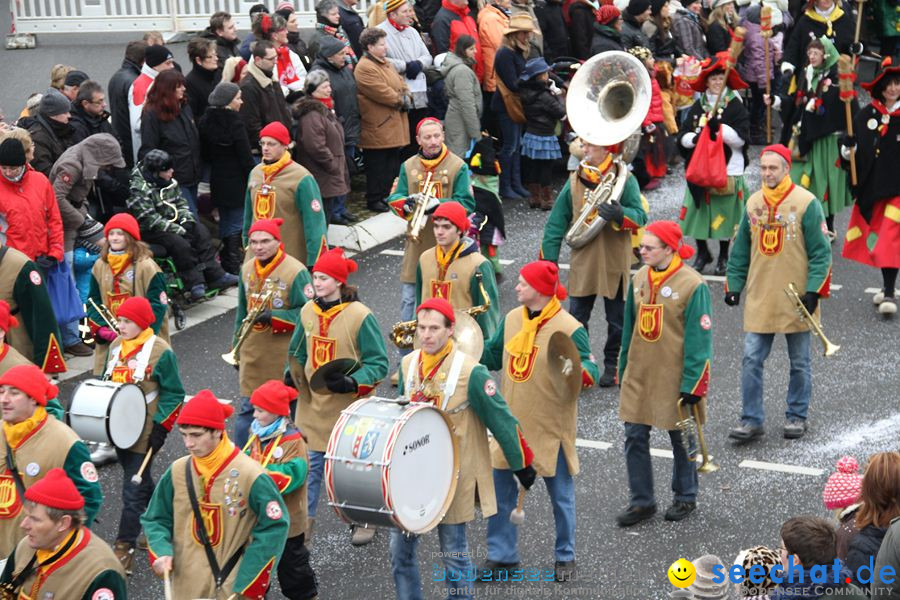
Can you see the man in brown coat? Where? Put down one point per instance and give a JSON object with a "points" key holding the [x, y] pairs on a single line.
{"points": [[383, 98]]}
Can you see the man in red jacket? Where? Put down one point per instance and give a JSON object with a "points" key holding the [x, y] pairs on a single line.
{"points": [[452, 21]]}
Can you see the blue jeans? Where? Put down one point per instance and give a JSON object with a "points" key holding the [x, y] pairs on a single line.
{"points": [[459, 572], [134, 497], [503, 536], [231, 220], [756, 349], [243, 418], [407, 307], [69, 330], [336, 206], [640, 472], [190, 194], [314, 481]]}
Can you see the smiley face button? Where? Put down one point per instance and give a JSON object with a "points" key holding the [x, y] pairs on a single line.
{"points": [[681, 573]]}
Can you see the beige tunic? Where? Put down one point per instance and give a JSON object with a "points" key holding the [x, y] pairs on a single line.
{"points": [[443, 178], [12, 264], [10, 357], [317, 413], [286, 450], [456, 286], [603, 265], [547, 419], [475, 483], [777, 257]]}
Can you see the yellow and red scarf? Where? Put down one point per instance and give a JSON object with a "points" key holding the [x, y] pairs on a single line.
{"points": [[522, 343]]}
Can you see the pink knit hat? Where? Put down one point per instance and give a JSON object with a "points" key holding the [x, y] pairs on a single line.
{"points": [[843, 487]]}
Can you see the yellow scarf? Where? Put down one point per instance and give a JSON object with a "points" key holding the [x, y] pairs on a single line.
{"points": [[209, 464], [431, 163], [522, 343], [134, 344], [269, 171], [776, 194], [118, 262], [430, 361], [17, 432], [657, 277], [263, 272], [327, 316], [836, 14], [444, 259], [593, 174], [44, 555]]}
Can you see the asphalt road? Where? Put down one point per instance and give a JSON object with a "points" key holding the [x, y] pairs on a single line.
{"points": [[854, 411]]}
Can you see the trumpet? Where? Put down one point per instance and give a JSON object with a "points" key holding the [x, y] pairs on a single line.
{"points": [[419, 218], [233, 357], [403, 333], [814, 325], [105, 314], [692, 437]]}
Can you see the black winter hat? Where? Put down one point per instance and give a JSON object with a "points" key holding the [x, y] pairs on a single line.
{"points": [[53, 103], [12, 153], [637, 7], [656, 6], [157, 160], [156, 55], [75, 78]]}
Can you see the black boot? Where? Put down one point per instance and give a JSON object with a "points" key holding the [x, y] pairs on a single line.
{"points": [[722, 262], [703, 256], [232, 254]]}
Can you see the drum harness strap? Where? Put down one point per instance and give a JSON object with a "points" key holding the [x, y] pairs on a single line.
{"points": [[14, 470], [220, 575], [449, 387], [142, 360]]}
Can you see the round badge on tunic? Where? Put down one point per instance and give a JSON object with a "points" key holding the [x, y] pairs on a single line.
{"points": [[273, 510], [666, 292], [233, 472], [490, 387], [315, 205], [163, 298], [89, 472], [32, 469], [872, 124], [705, 322], [277, 303], [103, 594], [279, 452], [35, 277], [308, 291], [129, 275]]}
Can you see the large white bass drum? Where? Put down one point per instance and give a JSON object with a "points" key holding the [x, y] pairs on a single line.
{"points": [[108, 412], [392, 464]]}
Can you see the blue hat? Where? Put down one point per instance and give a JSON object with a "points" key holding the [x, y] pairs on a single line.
{"points": [[533, 68]]}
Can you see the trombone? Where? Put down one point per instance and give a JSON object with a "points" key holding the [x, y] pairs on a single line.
{"points": [[105, 314], [814, 325], [419, 218], [233, 357], [692, 437]]}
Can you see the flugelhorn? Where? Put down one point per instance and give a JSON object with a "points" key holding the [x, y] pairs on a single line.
{"points": [[105, 314], [812, 323], [692, 437], [262, 301], [419, 218]]}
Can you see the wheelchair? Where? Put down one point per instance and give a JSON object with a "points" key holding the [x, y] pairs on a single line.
{"points": [[179, 295]]}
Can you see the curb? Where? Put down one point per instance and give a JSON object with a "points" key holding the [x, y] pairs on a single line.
{"points": [[368, 233]]}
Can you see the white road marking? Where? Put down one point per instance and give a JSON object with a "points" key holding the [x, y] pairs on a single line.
{"points": [[390, 252], [582, 443], [767, 466], [872, 290]]}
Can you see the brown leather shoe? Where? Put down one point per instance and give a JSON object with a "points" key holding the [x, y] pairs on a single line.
{"points": [[362, 535], [547, 197], [124, 551], [535, 200]]}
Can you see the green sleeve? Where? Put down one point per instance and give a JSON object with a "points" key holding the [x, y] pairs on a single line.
{"points": [[494, 412], [93, 497], [462, 190], [248, 217], [241, 310], [94, 294], [373, 354], [107, 580], [739, 257], [295, 469], [315, 229], [296, 299], [36, 312], [488, 320], [6, 576], [155, 292], [419, 283], [627, 328], [492, 355], [583, 343], [267, 538], [818, 249], [557, 224], [56, 409], [402, 190], [159, 519], [632, 206], [697, 342], [171, 390]]}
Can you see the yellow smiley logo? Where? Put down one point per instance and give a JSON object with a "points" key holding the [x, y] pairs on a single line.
{"points": [[682, 573]]}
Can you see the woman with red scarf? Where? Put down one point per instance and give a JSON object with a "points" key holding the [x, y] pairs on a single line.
{"points": [[328, 24], [289, 69]]}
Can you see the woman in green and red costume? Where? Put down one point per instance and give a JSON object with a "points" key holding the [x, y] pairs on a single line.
{"points": [[715, 213]]}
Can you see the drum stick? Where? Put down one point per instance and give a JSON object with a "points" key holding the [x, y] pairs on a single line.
{"points": [[138, 477], [167, 583], [517, 516]]}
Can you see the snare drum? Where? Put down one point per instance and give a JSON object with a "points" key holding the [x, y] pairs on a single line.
{"points": [[391, 465], [108, 412]]}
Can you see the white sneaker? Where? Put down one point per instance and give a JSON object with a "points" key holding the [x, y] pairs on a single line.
{"points": [[103, 454], [878, 298], [888, 306]]}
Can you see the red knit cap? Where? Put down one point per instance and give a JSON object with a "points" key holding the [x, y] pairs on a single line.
{"points": [[272, 226], [843, 487], [205, 410], [31, 380], [7, 321], [274, 397], [126, 223], [277, 131], [440, 305], [779, 149], [55, 490], [607, 14], [669, 233], [427, 120], [334, 264], [543, 276], [138, 310], [453, 212]]}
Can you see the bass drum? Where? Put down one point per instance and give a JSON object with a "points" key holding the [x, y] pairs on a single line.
{"points": [[107, 412], [392, 464]]}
